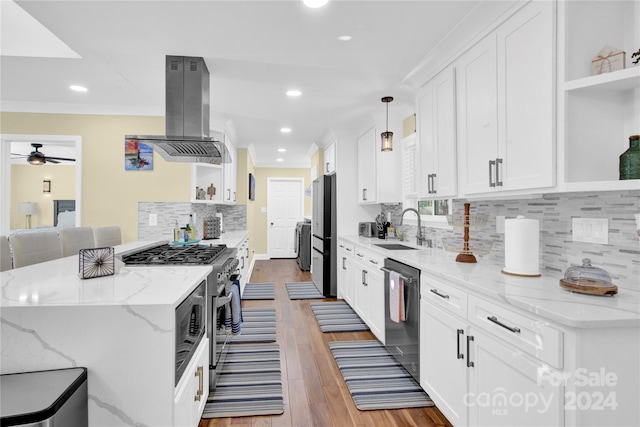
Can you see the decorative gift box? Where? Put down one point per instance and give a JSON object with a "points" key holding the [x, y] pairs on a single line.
{"points": [[96, 262], [608, 59]]}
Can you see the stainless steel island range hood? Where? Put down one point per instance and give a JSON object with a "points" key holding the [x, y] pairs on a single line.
{"points": [[186, 116]]}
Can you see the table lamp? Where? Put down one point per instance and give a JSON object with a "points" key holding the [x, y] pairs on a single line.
{"points": [[28, 209]]}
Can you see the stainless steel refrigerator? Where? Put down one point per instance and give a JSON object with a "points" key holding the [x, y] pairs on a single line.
{"points": [[323, 235]]}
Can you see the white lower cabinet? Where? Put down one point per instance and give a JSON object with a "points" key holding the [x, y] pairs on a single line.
{"points": [[375, 283], [506, 387], [478, 379], [193, 389], [361, 284], [346, 272]]}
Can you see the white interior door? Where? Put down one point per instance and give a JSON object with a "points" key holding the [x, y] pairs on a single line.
{"points": [[284, 209]]}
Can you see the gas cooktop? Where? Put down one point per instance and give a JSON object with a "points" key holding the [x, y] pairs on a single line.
{"points": [[167, 254]]}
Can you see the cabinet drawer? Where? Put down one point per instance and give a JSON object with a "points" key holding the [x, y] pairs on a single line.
{"points": [[535, 336], [346, 248], [444, 296], [373, 261]]}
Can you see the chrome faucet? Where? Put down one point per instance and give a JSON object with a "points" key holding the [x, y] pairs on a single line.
{"points": [[419, 238]]}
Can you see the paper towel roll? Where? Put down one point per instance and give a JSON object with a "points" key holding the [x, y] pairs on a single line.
{"points": [[521, 247]]}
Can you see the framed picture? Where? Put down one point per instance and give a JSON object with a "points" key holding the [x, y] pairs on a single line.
{"points": [[137, 156], [252, 187]]}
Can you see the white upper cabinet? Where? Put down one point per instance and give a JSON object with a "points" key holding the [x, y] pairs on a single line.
{"points": [[230, 174], [367, 179], [330, 158], [436, 120], [506, 105], [379, 175], [223, 177], [597, 113]]}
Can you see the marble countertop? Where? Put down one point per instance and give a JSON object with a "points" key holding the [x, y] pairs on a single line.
{"points": [[56, 283], [541, 296], [232, 239]]}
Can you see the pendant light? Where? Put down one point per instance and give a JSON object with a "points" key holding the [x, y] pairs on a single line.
{"points": [[387, 137]]}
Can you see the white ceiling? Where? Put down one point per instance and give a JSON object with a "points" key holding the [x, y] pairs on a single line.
{"points": [[255, 51]]}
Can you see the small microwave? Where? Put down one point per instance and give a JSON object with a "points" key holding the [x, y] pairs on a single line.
{"points": [[190, 327]]}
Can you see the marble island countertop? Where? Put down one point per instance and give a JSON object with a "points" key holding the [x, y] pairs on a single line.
{"points": [[56, 283], [541, 296]]}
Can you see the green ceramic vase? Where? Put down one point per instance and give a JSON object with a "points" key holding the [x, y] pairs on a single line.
{"points": [[630, 159]]}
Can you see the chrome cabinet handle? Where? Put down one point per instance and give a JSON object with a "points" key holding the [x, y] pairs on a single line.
{"points": [[235, 196], [228, 194], [491, 163], [200, 374], [365, 277], [458, 354], [364, 194], [362, 277], [495, 320], [435, 291], [348, 249], [433, 183], [327, 167], [343, 261], [373, 262], [498, 167], [360, 255], [470, 364]]}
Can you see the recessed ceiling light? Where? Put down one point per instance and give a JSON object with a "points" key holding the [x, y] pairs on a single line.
{"points": [[285, 130], [344, 38], [78, 88], [314, 3], [282, 150], [279, 160], [294, 93]]}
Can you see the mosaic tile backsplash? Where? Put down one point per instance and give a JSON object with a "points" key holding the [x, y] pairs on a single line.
{"points": [[620, 257], [234, 218]]}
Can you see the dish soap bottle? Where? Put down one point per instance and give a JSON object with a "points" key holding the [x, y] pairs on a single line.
{"points": [[187, 233], [630, 159], [176, 232]]}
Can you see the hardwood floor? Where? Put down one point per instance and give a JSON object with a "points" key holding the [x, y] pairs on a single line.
{"points": [[315, 394]]}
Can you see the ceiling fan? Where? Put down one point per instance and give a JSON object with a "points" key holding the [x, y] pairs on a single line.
{"points": [[38, 158]]}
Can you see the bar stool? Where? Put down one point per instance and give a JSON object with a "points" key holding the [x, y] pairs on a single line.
{"points": [[5, 254], [75, 238], [107, 236], [32, 248]]}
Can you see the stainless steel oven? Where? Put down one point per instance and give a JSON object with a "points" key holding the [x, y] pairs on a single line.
{"points": [[190, 327], [402, 333]]}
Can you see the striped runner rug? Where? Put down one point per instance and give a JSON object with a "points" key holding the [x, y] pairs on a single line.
{"points": [[263, 291], [337, 316], [258, 325], [303, 290], [374, 378], [250, 383]]}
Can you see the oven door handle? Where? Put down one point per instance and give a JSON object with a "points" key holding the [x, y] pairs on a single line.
{"points": [[220, 301]]}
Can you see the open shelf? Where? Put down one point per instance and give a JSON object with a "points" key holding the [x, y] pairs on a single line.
{"points": [[621, 80]]}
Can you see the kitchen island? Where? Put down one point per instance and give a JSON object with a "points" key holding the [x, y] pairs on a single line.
{"points": [[120, 327]]}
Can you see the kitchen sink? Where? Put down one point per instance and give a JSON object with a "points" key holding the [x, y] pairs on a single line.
{"points": [[394, 246]]}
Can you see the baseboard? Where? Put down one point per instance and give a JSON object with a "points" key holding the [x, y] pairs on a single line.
{"points": [[255, 257]]}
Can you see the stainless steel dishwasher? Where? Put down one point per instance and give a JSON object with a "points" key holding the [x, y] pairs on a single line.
{"points": [[402, 338]]}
